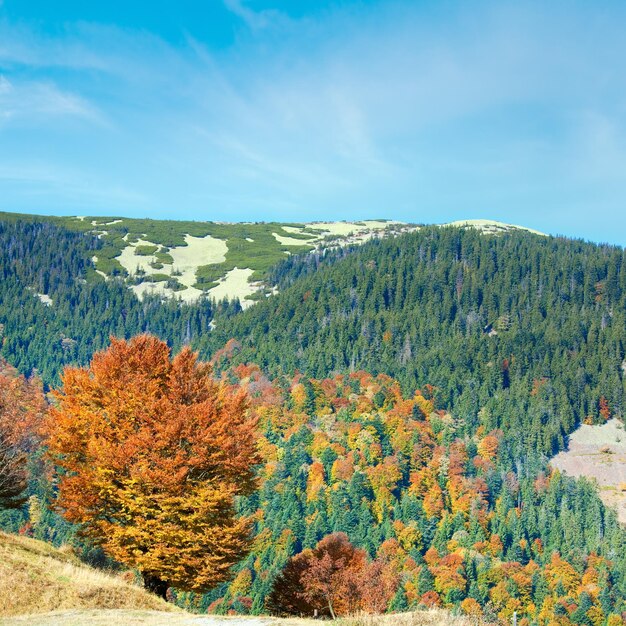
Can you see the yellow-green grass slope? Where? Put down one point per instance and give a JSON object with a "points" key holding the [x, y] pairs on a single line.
{"points": [[186, 259], [189, 259], [35, 578]]}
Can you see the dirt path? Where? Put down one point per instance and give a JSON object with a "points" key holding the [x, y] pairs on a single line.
{"points": [[130, 618]]}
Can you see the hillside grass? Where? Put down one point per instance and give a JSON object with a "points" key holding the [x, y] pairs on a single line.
{"points": [[37, 578], [598, 452], [154, 245], [256, 246]]}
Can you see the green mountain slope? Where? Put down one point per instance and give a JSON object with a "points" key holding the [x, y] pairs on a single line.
{"points": [[518, 332], [52, 313], [185, 260]]}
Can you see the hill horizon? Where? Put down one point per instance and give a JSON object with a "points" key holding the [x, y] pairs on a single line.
{"points": [[471, 217]]}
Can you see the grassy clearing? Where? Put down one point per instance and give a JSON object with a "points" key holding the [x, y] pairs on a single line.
{"points": [[492, 227], [236, 282], [599, 453], [210, 255]]}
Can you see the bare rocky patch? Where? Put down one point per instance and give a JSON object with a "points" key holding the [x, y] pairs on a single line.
{"points": [[599, 453]]}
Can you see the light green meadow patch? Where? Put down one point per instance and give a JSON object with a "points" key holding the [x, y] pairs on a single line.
{"points": [[222, 260]]}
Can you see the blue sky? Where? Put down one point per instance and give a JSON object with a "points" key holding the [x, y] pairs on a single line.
{"points": [[312, 110]]}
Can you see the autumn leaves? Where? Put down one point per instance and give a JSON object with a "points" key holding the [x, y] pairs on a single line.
{"points": [[153, 452], [334, 578], [22, 406], [364, 499]]}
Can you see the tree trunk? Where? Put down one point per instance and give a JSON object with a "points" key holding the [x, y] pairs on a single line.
{"points": [[155, 585], [332, 613]]}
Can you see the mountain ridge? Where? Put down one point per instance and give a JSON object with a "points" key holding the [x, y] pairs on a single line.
{"points": [[187, 260]]}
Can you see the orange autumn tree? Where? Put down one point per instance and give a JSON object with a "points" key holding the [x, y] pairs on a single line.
{"points": [[153, 452], [334, 578], [22, 406]]}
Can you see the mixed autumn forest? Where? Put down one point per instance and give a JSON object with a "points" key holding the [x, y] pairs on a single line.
{"points": [[375, 437]]}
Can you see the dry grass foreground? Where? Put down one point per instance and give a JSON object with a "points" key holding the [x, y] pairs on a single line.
{"points": [[43, 585], [123, 617], [434, 617], [35, 577]]}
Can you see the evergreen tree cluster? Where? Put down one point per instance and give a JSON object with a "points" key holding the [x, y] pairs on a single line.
{"points": [[83, 310], [518, 331], [438, 510]]}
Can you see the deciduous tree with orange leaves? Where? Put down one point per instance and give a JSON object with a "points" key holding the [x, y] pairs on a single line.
{"points": [[153, 453], [334, 578], [22, 406]]}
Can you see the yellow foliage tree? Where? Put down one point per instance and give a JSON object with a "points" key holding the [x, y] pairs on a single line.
{"points": [[153, 452]]}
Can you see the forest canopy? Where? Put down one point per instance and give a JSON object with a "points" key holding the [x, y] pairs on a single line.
{"points": [[408, 395]]}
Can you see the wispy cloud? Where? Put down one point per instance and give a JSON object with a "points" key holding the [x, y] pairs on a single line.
{"points": [[44, 185], [255, 20], [433, 115], [35, 102]]}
